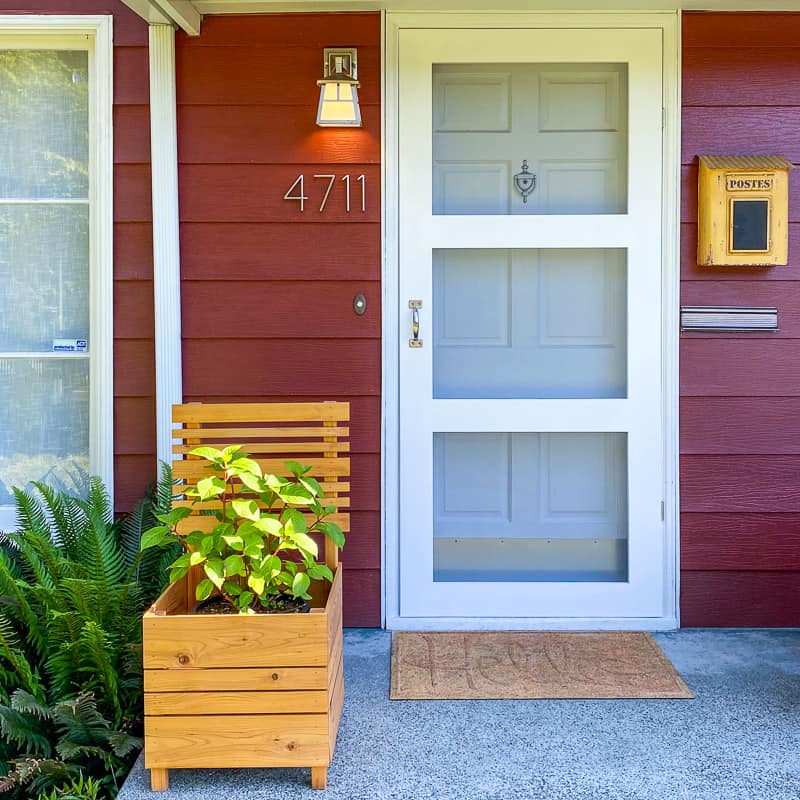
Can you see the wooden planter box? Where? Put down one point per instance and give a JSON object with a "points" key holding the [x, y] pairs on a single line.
{"points": [[260, 690]]}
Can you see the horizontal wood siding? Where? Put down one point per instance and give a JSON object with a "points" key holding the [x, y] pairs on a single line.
{"points": [[267, 290], [134, 351], [740, 394]]}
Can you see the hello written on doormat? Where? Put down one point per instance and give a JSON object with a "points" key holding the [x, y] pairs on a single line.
{"points": [[532, 665]]}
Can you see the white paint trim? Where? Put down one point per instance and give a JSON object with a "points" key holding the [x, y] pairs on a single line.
{"points": [[392, 6], [182, 13], [148, 11], [396, 623], [671, 277], [390, 332], [93, 33], [386, 500], [166, 234]]}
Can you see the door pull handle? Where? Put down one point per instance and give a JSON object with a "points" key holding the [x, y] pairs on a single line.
{"points": [[415, 306]]}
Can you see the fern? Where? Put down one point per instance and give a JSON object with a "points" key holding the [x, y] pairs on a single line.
{"points": [[72, 589]]}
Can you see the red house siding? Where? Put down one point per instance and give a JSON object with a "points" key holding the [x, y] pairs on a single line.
{"points": [[267, 290], [134, 354], [740, 395]]}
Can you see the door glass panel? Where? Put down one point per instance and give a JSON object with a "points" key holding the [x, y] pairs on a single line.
{"points": [[530, 507], [44, 113], [44, 271], [529, 323], [44, 423], [567, 121]]}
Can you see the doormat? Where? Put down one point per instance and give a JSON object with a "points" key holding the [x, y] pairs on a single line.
{"points": [[532, 665]]}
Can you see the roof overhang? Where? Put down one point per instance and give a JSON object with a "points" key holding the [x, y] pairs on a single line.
{"points": [[187, 14]]}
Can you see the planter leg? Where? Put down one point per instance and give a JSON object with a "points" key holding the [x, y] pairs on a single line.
{"points": [[319, 777], [159, 780]]}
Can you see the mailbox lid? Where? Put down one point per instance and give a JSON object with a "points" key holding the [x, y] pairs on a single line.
{"points": [[756, 163]]}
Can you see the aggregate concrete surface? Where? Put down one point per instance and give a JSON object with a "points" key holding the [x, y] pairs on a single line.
{"points": [[739, 739]]}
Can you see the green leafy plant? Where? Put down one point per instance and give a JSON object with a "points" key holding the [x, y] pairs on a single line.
{"points": [[73, 585], [261, 550], [76, 789]]}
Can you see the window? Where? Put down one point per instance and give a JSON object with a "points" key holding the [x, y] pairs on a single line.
{"points": [[56, 397]]}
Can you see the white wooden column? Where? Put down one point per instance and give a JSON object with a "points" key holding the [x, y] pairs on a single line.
{"points": [[166, 242]]}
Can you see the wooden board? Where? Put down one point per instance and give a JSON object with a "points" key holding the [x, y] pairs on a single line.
{"points": [[265, 740], [236, 680], [735, 541], [262, 640], [741, 599], [230, 702]]}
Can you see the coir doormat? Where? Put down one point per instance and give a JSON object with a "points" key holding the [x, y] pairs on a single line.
{"points": [[531, 665]]}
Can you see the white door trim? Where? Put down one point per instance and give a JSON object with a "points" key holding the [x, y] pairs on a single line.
{"points": [[668, 23]]}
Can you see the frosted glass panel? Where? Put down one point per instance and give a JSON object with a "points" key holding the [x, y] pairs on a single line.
{"points": [[529, 323], [44, 422], [530, 507], [568, 121], [44, 272], [44, 134]]}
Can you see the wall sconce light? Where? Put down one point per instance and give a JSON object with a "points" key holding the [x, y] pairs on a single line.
{"points": [[338, 89]]}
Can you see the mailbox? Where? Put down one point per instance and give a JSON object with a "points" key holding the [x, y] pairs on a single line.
{"points": [[743, 211]]}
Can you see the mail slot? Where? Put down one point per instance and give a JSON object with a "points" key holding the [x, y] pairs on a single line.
{"points": [[743, 211]]}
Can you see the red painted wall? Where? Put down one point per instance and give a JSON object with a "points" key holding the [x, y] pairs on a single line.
{"points": [[267, 289], [134, 371], [740, 394]]}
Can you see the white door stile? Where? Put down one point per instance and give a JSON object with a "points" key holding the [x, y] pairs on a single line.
{"points": [[638, 231]]}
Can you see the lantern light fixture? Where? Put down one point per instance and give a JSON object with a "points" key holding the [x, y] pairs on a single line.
{"points": [[338, 89]]}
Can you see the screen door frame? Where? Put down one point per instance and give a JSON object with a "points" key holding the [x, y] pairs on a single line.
{"points": [[394, 333]]}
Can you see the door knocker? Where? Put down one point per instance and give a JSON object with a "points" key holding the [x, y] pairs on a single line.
{"points": [[525, 181]]}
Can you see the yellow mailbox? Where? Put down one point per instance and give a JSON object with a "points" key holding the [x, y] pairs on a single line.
{"points": [[743, 210]]}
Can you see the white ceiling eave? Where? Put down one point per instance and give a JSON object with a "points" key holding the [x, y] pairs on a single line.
{"points": [[181, 13], [188, 14]]}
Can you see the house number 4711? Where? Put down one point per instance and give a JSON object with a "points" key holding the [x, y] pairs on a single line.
{"points": [[297, 191]]}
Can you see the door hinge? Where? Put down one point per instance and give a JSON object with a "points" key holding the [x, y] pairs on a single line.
{"points": [[663, 118], [662, 510]]}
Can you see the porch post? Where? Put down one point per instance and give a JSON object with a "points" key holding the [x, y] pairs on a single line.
{"points": [[166, 242]]}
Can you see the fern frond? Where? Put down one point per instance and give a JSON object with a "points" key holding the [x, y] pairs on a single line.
{"points": [[12, 654], [26, 703], [15, 602], [96, 649], [24, 731], [123, 744], [29, 514], [64, 518], [162, 497], [100, 553], [80, 721]]}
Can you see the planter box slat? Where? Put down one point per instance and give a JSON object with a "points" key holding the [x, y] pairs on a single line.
{"points": [[228, 702], [205, 641], [236, 680], [260, 740]]}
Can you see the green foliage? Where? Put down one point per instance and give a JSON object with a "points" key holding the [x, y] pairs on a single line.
{"points": [[73, 586], [75, 789], [261, 548]]}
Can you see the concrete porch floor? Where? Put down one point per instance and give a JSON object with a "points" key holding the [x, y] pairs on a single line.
{"points": [[739, 739]]}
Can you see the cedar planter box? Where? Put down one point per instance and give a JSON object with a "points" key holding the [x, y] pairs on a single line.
{"points": [[261, 690]]}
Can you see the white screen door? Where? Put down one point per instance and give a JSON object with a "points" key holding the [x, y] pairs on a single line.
{"points": [[530, 192]]}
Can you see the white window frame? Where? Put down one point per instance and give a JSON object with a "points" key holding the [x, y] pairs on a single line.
{"points": [[94, 34]]}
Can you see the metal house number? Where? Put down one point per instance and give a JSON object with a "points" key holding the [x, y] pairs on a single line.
{"points": [[525, 181], [300, 196]]}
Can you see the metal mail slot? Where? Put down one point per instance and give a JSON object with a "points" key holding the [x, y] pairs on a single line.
{"points": [[728, 318]]}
